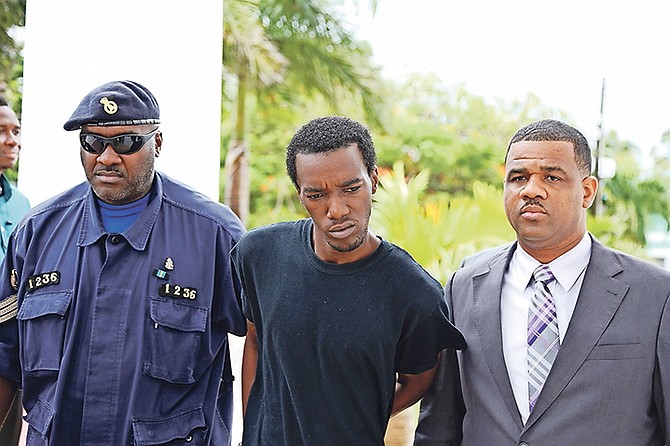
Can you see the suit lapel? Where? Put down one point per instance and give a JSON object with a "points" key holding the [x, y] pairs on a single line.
{"points": [[487, 289], [599, 298]]}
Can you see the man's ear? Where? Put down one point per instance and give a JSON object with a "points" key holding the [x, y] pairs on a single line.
{"points": [[297, 192], [374, 178], [158, 143], [590, 188]]}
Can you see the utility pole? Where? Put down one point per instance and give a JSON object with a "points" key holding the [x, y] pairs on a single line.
{"points": [[600, 144]]}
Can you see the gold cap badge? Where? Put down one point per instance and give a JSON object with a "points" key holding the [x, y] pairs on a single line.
{"points": [[110, 107]]}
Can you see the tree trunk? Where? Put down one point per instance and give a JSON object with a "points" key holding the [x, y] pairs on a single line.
{"points": [[237, 189]]}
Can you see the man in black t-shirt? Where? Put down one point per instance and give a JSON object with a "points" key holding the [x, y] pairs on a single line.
{"points": [[344, 328]]}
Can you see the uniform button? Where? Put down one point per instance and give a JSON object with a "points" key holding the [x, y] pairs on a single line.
{"points": [[115, 239], [188, 439], [523, 443]]}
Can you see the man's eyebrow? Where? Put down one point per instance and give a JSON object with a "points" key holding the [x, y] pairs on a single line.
{"points": [[542, 168], [311, 189], [351, 182], [346, 183], [517, 170], [552, 169]]}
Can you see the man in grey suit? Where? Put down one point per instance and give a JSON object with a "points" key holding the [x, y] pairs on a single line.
{"points": [[607, 311]]}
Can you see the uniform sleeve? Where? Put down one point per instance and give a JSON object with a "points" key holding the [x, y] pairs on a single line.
{"points": [[227, 310], [9, 342], [238, 267]]}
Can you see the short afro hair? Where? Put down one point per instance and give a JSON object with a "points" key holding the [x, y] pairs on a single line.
{"points": [[327, 134], [552, 130]]}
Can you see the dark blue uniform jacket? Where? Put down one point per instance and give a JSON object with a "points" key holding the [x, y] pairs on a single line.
{"points": [[121, 339]]}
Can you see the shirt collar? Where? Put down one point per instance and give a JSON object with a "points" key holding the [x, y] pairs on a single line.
{"points": [[566, 269], [137, 235], [6, 188]]}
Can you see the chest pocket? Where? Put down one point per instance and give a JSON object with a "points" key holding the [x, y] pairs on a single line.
{"points": [[42, 327], [173, 340]]}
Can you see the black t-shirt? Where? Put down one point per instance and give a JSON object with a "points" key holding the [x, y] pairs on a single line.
{"points": [[332, 337]]}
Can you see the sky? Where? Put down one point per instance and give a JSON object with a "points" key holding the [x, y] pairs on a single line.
{"points": [[560, 51]]}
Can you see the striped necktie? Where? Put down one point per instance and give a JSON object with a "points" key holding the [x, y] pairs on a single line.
{"points": [[543, 343]]}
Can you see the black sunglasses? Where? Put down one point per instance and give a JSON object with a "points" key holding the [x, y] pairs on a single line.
{"points": [[122, 144]]}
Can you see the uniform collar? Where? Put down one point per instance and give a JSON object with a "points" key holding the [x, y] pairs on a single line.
{"points": [[137, 235]]}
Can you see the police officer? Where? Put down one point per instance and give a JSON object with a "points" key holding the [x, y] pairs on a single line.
{"points": [[122, 294], [13, 204]]}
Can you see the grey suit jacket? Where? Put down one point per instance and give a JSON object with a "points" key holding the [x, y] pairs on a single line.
{"points": [[608, 384]]}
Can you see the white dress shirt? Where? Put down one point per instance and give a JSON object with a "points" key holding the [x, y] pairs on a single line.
{"points": [[517, 291]]}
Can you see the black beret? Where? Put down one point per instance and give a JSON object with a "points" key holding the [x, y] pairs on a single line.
{"points": [[116, 103]]}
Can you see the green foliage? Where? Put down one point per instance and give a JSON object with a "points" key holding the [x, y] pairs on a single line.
{"points": [[323, 56], [633, 194], [287, 49], [456, 136], [439, 231], [12, 15], [12, 174], [611, 231], [272, 190], [247, 49], [632, 200], [284, 52], [660, 163], [459, 136]]}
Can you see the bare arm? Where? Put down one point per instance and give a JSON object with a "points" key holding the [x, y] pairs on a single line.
{"points": [[249, 360], [410, 388], [7, 391]]}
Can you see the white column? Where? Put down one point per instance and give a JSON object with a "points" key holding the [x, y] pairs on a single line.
{"points": [[172, 47]]}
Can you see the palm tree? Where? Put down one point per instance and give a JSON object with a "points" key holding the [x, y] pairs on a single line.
{"points": [[279, 45], [253, 59], [438, 231], [633, 201]]}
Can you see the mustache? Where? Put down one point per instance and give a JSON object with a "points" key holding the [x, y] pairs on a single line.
{"points": [[533, 202], [107, 169]]}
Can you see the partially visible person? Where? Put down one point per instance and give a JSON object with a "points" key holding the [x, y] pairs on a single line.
{"points": [[568, 340], [121, 294], [13, 205], [344, 328]]}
